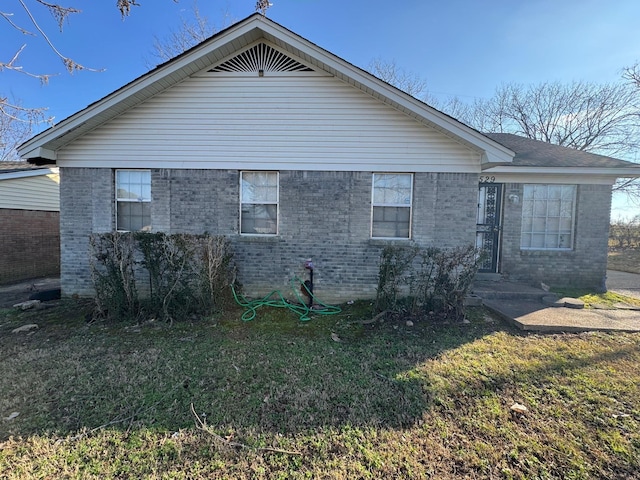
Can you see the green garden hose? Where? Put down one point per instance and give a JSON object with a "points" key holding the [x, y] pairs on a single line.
{"points": [[277, 300]]}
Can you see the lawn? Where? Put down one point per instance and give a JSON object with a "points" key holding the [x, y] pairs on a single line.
{"points": [[328, 398]]}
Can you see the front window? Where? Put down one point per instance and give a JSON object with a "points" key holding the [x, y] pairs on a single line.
{"points": [[259, 203], [133, 200], [547, 217], [391, 205]]}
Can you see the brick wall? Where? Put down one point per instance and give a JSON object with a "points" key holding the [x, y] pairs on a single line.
{"points": [[323, 215], [584, 266], [30, 243], [86, 207]]}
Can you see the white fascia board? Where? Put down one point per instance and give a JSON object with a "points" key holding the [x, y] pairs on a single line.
{"points": [[623, 172], [29, 173], [244, 164], [38, 152], [549, 178]]}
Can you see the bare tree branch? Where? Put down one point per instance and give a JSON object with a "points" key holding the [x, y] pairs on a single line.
{"points": [[632, 74], [11, 65], [597, 118], [16, 125], [191, 31], [57, 11], [408, 82], [7, 17], [60, 13]]}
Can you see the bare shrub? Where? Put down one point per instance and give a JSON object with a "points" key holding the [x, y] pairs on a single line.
{"points": [[187, 274], [112, 271], [625, 233], [426, 281]]}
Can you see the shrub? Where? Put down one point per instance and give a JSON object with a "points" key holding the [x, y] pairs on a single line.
{"points": [[187, 274], [426, 281], [112, 272]]}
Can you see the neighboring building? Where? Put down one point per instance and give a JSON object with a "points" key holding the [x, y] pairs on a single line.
{"points": [[29, 221], [293, 153]]}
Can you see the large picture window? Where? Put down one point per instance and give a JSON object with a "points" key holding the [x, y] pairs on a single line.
{"points": [[391, 205], [259, 203], [547, 217], [133, 200]]}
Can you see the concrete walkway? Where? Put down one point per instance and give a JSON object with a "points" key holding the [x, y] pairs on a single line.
{"points": [[624, 283], [522, 306], [20, 292]]}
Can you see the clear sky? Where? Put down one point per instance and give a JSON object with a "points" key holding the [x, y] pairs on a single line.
{"points": [[463, 48]]}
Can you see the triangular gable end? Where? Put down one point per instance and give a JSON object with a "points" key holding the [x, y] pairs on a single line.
{"points": [[260, 58], [245, 35]]}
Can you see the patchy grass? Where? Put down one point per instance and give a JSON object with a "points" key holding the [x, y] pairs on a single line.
{"points": [[385, 401], [591, 299], [627, 260]]}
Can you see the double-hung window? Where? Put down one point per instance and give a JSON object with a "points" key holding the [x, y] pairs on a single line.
{"points": [[391, 205], [259, 203], [547, 217], [133, 200]]}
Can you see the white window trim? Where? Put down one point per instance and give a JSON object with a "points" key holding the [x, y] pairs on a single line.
{"points": [[276, 203], [373, 204], [115, 193], [573, 221]]}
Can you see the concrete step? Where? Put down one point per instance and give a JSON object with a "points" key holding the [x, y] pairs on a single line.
{"points": [[493, 290]]}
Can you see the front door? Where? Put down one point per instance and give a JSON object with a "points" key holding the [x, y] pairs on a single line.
{"points": [[488, 225]]}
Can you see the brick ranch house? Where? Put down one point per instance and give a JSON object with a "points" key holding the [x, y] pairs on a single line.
{"points": [[293, 153], [29, 221]]}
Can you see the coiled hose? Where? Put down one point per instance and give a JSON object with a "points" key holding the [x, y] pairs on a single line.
{"points": [[277, 300]]}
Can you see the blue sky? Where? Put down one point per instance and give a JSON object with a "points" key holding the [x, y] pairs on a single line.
{"points": [[464, 48]]}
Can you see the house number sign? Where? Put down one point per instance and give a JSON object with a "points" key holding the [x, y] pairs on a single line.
{"points": [[487, 179]]}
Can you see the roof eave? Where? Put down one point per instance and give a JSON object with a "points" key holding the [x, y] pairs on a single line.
{"points": [[147, 85], [623, 172], [29, 173]]}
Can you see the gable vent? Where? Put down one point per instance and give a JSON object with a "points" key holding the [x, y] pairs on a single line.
{"points": [[261, 57]]}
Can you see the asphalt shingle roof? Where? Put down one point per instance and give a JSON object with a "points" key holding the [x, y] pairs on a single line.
{"points": [[10, 167], [535, 153]]}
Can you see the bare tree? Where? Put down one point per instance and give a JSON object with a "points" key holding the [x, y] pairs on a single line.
{"points": [[390, 72], [16, 125], [16, 120], [598, 118], [632, 74], [595, 118], [192, 30], [625, 233]]}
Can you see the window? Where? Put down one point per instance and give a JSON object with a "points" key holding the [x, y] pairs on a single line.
{"points": [[547, 217], [259, 203], [133, 200], [391, 205]]}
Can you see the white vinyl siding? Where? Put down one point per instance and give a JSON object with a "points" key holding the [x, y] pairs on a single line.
{"points": [[391, 205], [548, 213], [292, 121], [40, 192], [133, 200], [259, 203]]}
